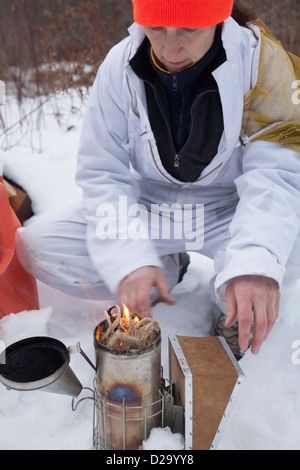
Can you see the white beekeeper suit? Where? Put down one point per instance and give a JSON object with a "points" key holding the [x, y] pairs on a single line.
{"points": [[250, 190]]}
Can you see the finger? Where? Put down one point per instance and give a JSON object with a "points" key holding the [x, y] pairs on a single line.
{"points": [[245, 324], [231, 306], [271, 320], [135, 297], [163, 289], [272, 314], [277, 304], [260, 328], [140, 302]]}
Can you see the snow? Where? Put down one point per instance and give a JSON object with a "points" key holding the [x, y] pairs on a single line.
{"points": [[266, 415], [164, 439]]}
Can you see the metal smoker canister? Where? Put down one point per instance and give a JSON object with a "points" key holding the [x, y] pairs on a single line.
{"points": [[129, 383]]}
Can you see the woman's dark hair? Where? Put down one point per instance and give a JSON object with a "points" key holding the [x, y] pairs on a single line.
{"points": [[242, 13]]}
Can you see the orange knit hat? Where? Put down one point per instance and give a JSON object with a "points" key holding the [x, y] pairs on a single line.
{"points": [[181, 13]]}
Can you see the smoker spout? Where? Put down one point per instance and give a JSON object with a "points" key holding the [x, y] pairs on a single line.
{"points": [[77, 349]]}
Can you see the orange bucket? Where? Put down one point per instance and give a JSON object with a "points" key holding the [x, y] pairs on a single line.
{"points": [[18, 289]]}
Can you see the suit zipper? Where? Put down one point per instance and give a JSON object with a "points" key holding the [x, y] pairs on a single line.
{"points": [[169, 179], [177, 160], [177, 155], [157, 166], [175, 83]]}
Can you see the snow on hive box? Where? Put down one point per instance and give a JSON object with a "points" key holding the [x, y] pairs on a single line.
{"points": [[207, 379]]}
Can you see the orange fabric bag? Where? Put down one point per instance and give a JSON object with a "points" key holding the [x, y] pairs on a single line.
{"points": [[18, 289]]}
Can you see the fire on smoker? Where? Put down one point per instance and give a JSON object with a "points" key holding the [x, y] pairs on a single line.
{"points": [[128, 363], [126, 330]]}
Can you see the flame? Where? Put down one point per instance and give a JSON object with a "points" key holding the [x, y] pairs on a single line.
{"points": [[127, 319], [126, 313], [99, 331]]}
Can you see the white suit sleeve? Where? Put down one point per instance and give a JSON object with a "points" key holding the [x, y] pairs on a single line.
{"points": [[267, 219], [104, 175]]}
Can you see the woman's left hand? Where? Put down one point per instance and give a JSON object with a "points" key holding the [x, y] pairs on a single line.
{"points": [[252, 298]]}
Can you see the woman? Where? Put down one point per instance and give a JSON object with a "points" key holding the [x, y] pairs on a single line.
{"points": [[166, 129]]}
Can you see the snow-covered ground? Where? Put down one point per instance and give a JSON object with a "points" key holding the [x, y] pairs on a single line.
{"points": [[267, 412]]}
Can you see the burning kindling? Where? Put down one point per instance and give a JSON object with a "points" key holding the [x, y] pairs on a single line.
{"points": [[126, 330]]}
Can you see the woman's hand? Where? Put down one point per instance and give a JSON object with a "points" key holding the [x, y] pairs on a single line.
{"points": [[135, 290], [252, 294]]}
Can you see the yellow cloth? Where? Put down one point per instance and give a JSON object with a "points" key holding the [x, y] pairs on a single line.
{"points": [[271, 107]]}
